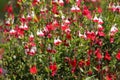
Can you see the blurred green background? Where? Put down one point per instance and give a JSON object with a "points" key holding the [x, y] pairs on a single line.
{"points": [[3, 3]]}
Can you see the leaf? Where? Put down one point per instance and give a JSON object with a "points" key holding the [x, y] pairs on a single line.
{"points": [[81, 70], [91, 78], [46, 68], [88, 78]]}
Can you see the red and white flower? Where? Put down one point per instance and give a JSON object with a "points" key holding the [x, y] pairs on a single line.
{"points": [[113, 30], [12, 32], [40, 33], [57, 41]]}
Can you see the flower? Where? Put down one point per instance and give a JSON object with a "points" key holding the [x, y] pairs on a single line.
{"points": [[78, 2], [87, 62], [109, 77], [35, 2], [54, 1], [7, 22], [81, 63], [53, 68], [100, 27], [61, 2], [10, 9], [99, 10], [98, 54], [54, 9], [31, 37], [57, 41], [95, 19], [25, 27], [100, 21], [40, 33], [33, 70], [113, 30], [64, 27], [12, 32], [73, 63], [91, 35], [111, 39], [118, 55], [22, 19], [107, 56], [75, 9], [90, 72], [32, 51], [86, 12], [1, 71]]}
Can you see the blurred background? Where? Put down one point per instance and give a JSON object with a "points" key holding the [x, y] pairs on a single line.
{"points": [[3, 4]]}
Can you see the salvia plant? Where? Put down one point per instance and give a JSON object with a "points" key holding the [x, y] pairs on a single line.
{"points": [[60, 40]]}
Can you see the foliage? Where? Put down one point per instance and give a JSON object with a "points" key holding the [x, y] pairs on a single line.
{"points": [[61, 39]]}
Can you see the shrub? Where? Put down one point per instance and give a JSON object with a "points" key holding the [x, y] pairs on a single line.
{"points": [[61, 39]]}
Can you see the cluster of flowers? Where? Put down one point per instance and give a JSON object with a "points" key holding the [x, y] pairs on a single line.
{"points": [[44, 29], [114, 8]]}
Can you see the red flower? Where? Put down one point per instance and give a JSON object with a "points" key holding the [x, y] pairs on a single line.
{"points": [[98, 67], [89, 52], [118, 55], [111, 39], [67, 1], [78, 2], [54, 9], [10, 9], [100, 33], [33, 70], [99, 41], [107, 56], [73, 64], [50, 27], [98, 54], [35, 2], [99, 10], [87, 63], [1, 71], [86, 12], [91, 35], [64, 27], [109, 77], [81, 63], [90, 72], [53, 68]]}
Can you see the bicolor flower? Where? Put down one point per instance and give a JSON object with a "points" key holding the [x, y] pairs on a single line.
{"points": [[57, 41]]}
